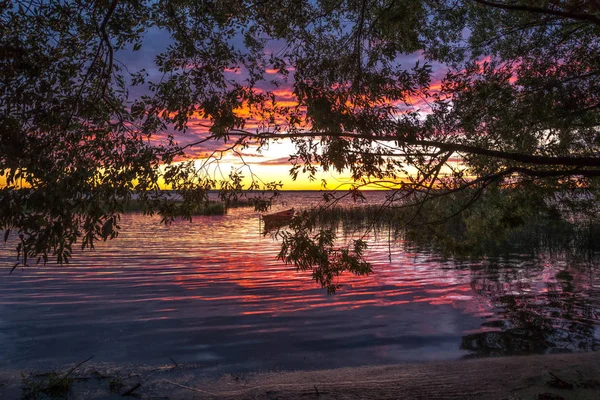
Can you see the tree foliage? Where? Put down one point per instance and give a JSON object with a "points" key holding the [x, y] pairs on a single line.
{"points": [[423, 97]]}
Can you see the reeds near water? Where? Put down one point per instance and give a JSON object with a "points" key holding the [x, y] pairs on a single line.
{"points": [[358, 217], [466, 234]]}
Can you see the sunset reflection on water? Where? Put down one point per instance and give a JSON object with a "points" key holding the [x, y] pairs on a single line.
{"points": [[212, 292]]}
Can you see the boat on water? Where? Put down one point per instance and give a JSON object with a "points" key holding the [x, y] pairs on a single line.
{"points": [[279, 218]]}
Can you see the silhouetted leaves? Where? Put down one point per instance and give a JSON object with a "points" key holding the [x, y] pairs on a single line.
{"points": [[430, 99]]}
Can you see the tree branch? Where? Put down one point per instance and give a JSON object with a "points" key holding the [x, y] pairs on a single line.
{"points": [[539, 10], [519, 157], [566, 161], [106, 40]]}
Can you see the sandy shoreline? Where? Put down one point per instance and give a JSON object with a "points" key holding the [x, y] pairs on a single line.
{"points": [[491, 378]]}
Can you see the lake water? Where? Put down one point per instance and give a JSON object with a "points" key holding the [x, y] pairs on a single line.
{"points": [[212, 293]]}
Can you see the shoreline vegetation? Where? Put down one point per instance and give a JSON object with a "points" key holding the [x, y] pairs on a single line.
{"points": [[455, 238], [502, 220], [541, 377]]}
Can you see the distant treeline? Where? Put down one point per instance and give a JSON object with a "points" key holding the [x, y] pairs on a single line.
{"points": [[211, 207]]}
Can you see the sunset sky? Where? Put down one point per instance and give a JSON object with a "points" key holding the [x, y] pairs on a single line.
{"points": [[272, 163]]}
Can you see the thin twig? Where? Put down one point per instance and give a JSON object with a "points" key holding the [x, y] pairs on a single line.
{"points": [[74, 368]]}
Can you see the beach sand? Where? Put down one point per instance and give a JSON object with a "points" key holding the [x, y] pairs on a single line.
{"points": [[544, 377]]}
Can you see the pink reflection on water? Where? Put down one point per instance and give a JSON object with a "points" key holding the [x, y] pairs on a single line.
{"points": [[219, 274]]}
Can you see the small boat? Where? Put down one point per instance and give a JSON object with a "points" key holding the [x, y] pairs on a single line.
{"points": [[279, 218]]}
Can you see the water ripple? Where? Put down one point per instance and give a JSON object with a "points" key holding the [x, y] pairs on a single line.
{"points": [[213, 292]]}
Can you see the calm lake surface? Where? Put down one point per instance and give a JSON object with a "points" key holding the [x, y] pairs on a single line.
{"points": [[212, 293]]}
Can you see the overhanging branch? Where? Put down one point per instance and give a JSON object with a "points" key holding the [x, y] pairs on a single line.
{"points": [[540, 10], [566, 161]]}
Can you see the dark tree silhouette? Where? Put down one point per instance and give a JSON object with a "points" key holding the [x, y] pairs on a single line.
{"points": [[513, 100]]}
